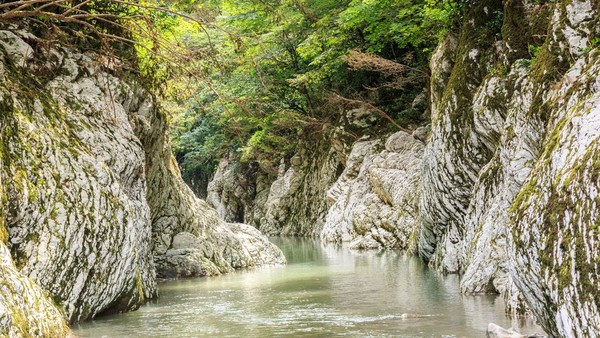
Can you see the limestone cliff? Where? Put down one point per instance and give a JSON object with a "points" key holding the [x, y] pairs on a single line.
{"points": [[93, 205], [239, 191], [510, 180], [374, 201], [78, 221], [555, 256], [296, 204], [25, 309], [509, 176]]}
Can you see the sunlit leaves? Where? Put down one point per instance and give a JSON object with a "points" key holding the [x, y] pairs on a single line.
{"points": [[275, 61]]}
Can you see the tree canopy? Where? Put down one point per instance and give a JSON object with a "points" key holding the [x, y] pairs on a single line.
{"points": [[254, 77], [280, 69]]}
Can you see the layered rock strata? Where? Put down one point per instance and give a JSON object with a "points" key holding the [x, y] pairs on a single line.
{"points": [[374, 201], [509, 184], [296, 204], [93, 204]]}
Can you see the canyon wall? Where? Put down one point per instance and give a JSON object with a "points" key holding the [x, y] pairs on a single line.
{"points": [[509, 181], [374, 202], [505, 191], [93, 206]]}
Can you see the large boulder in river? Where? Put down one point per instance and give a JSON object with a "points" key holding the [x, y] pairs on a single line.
{"points": [[495, 331]]}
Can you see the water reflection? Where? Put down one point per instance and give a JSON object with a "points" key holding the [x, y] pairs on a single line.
{"points": [[323, 291]]}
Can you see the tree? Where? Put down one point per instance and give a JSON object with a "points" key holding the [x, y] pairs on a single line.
{"points": [[281, 65]]}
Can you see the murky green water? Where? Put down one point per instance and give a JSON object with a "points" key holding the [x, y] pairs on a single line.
{"points": [[324, 291]]}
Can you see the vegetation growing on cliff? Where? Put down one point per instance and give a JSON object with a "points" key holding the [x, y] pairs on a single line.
{"points": [[254, 77], [281, 70]]}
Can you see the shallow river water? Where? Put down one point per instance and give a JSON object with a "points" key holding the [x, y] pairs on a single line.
{"points": [[323, 291]]}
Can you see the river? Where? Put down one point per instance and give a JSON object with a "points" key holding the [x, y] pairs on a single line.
{"points": [[323, 291]]}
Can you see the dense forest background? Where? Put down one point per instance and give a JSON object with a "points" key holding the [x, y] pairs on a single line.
{"points": [[251, 78], [270, 74]]}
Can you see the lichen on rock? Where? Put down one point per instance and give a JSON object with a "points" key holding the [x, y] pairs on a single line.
{"points": [[25, 309], [517, 135], [509, 185], [555, 255], [78, 220], [91, 194]]}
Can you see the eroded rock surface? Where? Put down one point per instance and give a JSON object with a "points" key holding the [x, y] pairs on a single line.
{"points": [[485, 257], [92, 194], [296, 204], [218, 246], [510, 181], [25, 309], [79, 224], [374, 202], [556, 252], [239, 191]]}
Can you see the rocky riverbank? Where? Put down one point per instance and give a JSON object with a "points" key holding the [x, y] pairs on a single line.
{"points": [[505, 188]]}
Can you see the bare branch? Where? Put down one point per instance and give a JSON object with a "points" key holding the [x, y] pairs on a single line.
{"points": [[370, 107], [77, 7], [22, 3]]}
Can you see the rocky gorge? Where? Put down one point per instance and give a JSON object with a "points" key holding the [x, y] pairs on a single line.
{"points": [[500, 185], [503, 190], [93, 206]]}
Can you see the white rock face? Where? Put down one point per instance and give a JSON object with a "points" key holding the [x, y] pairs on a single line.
{"points": [[219, 246], [25, 310], [578, 25], [487, 223], [93, 193], [78, 220], [291, 203], [239, 191], [219, 189], [556, 250], [511, 179], [296, 203], [453, 157], [374, 201]]}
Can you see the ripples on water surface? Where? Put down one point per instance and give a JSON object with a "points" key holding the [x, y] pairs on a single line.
{"points": [[323, 291]]}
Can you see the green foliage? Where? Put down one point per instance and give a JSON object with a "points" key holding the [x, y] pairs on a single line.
{"points": [[255, 77], [594, 43], [264, 86], [133, 37], [534, 51], [198, 144], [406, 23]]}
